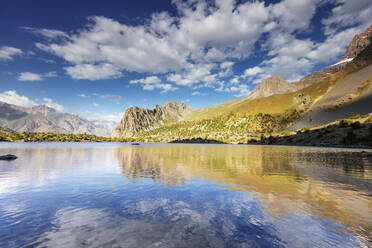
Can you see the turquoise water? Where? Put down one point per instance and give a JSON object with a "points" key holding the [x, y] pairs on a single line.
{"points": [[160, 195]]}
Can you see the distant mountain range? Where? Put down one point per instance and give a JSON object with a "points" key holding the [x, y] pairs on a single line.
{"points": [[45, 119], [340, 90]]}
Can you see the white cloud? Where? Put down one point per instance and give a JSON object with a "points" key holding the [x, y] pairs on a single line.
{"points": [[51, 104], [199, 46], [7, 53], [239, 90], [93, 72], [195, 93], [153, 82], [147, 80], [250, 72], [194, 74], [334, 46], [112, 98], [47, 33], [51, 74], [12, 97], [29, 76], [226, 69], [95, 104], [83, 96], [294, 15], [349, 13], [165, 43]]}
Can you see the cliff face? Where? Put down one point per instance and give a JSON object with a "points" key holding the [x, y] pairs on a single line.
{"points": [[359, 43], [136, 120]]}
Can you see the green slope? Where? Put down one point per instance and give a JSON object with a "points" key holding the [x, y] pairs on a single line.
{"points": [[240, 119]]}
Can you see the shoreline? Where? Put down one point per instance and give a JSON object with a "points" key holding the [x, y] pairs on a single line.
{"points": [[369, 148]]}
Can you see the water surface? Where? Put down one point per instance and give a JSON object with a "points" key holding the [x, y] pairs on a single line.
{"points": [[160, 195]]}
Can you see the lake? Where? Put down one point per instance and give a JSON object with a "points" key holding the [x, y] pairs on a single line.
{"points": [[184, 195]]}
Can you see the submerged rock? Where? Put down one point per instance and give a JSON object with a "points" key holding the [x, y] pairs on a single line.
{"points": [[8, 157]]}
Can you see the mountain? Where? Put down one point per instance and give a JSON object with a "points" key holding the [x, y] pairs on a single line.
{"points": [[351, 95], [136, 120], [276, 85], [337, 91], [358, 44], [271, 86], [42, 118]]}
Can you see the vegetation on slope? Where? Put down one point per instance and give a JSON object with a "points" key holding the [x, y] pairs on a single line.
{"points": [[53, 137], [353, 131]]}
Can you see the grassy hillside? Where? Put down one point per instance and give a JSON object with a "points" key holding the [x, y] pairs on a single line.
{"points": [[242, 119]]}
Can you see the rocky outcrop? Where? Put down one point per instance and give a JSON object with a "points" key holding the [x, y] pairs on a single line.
{"points": [[136, 120], [8, 157], [359, 43], [45, 119]]}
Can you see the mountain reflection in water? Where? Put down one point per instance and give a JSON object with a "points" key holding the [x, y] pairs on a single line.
{"points": [[184, 195]]}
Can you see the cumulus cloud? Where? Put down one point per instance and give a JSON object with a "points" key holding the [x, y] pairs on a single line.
{"points": [[348, 13], [251, 72], [93, 72], [29, 76], [7, 53], [12, 97], [194, 74], [199, 46], [239, 90], [153, 82], [165, 44]]}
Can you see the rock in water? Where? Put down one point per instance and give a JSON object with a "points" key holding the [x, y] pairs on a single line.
{"points": [[8, 157]]}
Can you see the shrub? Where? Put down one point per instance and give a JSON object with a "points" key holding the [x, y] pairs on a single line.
{"points": [[305, 129], [285, 133], [343, 123], [271, 140], [369, 120], [356, 125], [350, 138]]}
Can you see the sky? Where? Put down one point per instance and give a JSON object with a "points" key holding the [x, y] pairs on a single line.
{"points": [[97, 58]]}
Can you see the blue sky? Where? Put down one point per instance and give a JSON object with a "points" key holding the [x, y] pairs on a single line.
{"points": [[97, 58]]}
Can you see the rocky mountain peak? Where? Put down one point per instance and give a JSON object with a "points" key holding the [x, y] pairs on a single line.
{"points": [[270, 86], [42, 109], [358, 44], [136, 120]]}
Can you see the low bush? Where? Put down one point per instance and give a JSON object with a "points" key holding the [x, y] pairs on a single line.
{"points": [[356, 125], [350, 138]]}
